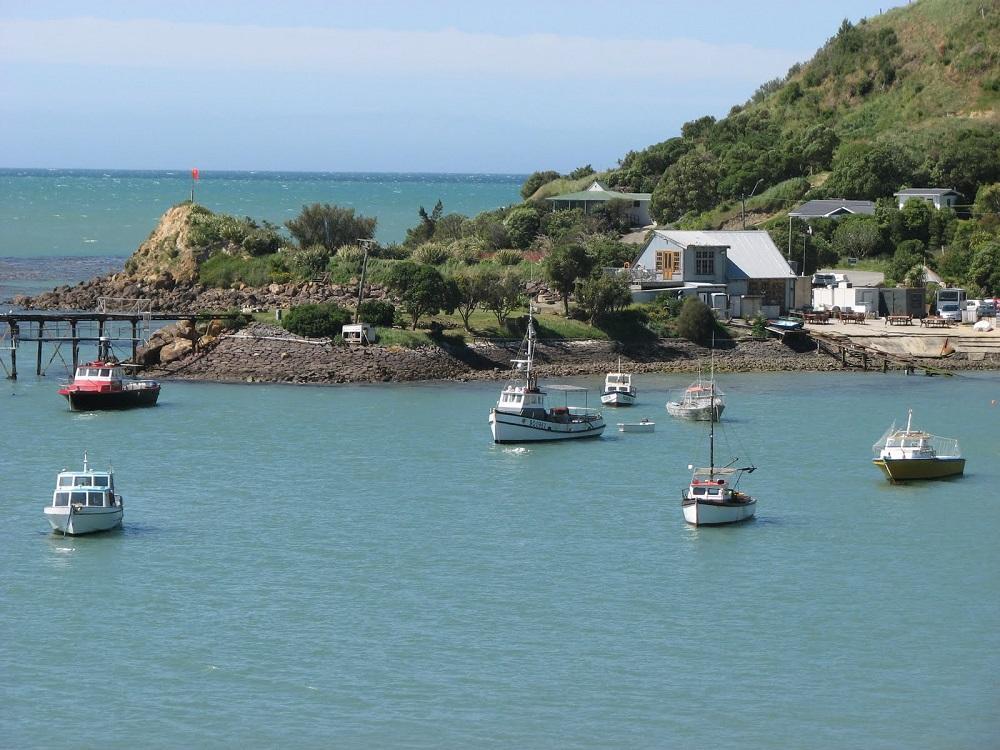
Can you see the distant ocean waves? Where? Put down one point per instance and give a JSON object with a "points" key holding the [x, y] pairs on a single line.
{"points": [[36, 275]]}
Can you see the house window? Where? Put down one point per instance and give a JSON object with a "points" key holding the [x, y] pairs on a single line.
{"points": [[704, 263]]}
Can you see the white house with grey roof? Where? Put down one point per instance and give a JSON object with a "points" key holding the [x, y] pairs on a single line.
{"points": [[832, 208], [741, 264], [598, 194], [940, 197]]}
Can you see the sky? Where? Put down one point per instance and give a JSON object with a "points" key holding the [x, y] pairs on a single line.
{"points": [[383, 85]]}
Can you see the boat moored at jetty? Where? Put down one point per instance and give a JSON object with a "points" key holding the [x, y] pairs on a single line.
{"points": [[522, 414], [84, 502], [914, 454], [103, 385], [711, 498], [618, 388]]}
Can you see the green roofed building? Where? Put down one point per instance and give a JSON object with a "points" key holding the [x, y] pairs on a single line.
{"points": [[598, 194]]}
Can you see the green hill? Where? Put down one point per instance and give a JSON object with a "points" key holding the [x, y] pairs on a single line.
{"points": [[907, 98]]}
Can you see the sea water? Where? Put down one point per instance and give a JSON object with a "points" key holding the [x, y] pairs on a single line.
{"points": [[360, 566], [51, 219]]}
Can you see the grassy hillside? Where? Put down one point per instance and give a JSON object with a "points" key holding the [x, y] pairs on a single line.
{"points": [[909, 97]]}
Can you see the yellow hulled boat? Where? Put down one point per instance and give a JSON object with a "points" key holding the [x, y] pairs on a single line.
{"points": [[914, 454]]}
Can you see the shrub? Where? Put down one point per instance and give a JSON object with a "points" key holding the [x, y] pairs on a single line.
{"points": [[377, 312], [350, 254], [316, 321], [330, 226], [308, 262], [508, 257], [696, 321], [223, 271], [522, 225], [430, 254]]}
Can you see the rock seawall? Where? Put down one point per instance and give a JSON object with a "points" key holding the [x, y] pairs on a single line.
{"points": [[264, 353]]}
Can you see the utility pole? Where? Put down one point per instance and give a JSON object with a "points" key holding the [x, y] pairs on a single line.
{"points": [[366, 244], [744, 197]]}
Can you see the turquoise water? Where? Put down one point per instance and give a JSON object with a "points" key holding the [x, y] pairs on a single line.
{"points": [[362, 567], [49, 213]]}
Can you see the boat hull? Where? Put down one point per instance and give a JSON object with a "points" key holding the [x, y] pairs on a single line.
{"points": [[115, 400], [698, 513], [618, 398], [83, 520], [636, 426], [901, 470], [512, 428], [701, 413]]}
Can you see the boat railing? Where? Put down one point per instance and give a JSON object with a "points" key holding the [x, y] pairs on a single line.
{"points": [[944, 446], [138, 385], [583, 412]]}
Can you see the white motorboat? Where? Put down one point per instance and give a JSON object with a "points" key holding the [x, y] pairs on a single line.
{"points": [[618, 388], [84, 502], [522, 414], [643, 425], [711, 498], [915, 454]]}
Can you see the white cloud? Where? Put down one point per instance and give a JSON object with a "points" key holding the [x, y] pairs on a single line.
{"points": [[196, 46]]}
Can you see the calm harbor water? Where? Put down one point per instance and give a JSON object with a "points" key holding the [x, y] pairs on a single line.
{"points": [[362, 567]]}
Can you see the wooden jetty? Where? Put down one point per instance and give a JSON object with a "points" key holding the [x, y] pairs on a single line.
{"points": [[116, 321], [857, 355]]}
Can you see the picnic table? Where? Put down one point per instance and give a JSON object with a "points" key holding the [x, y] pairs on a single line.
{"points": [[852, 317], [817, 317], [899, 320], [936, 322]]}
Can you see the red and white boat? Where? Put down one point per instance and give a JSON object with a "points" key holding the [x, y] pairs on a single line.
{"points": [[103, 385]]}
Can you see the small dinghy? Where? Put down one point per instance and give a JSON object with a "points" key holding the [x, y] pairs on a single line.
{"points": [[643, 425]]}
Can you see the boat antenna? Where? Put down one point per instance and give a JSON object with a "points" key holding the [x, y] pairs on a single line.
{"points": [[85, 467]]}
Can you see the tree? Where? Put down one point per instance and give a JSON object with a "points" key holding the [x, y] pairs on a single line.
{"points": [[536, 180], [609, 252], [907, 264], [316, 321], [689, 184], [564, 265], [421, 289], [598, 295], [503, 292], [869, 172], [330, 226], [856, 237], [470, 293], [984, 270], [615, 215], [427, 228], [580, 172], [696, 321], [915, 219], [988, 200], [378, 312], [522, 225], [817, 146]]}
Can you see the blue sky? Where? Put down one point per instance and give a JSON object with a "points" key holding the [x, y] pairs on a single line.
{"points": [[383, 85]]}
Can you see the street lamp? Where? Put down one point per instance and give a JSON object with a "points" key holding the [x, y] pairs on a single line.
{"points": [[744, 197]]}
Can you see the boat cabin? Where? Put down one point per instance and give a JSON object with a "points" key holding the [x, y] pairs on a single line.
{"points": [[618, 381], [98, 372], [528, 402], [91, 488]]}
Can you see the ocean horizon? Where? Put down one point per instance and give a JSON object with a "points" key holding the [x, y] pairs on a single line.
{"points": [[62, 226]]}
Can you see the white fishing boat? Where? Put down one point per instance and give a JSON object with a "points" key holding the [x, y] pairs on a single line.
{"points": [[618, 388], [643, 425], [711, 498], [522, 414], [701, 401], [915, 454], [84, 502]]}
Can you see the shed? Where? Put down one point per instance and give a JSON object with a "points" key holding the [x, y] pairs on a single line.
{"points": [[359, 333], [939, 197]]}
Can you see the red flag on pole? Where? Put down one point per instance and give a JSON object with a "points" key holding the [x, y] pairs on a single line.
{"points": [[194, 173]]}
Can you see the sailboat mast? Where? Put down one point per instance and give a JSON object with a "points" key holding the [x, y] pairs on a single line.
{"points": [[531, 348], [711, 434], [909, 417]]}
